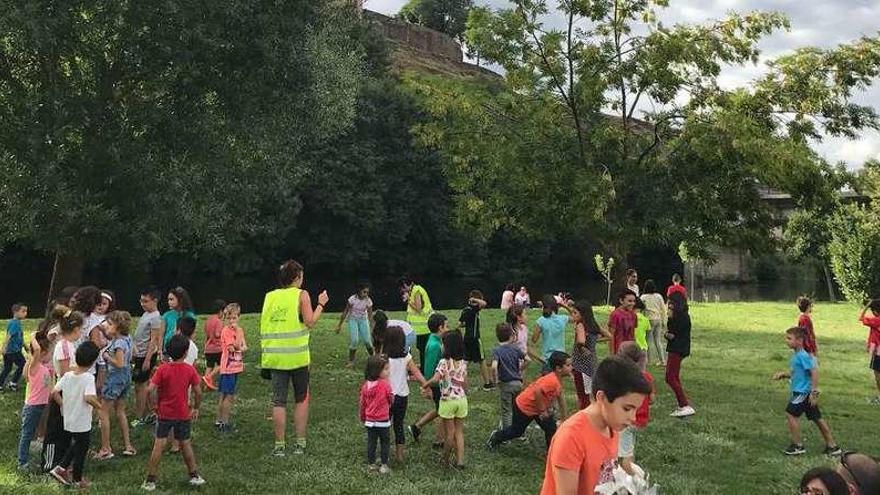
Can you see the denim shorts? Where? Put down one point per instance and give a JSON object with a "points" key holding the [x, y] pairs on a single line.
{"points": [[228, 384], [115, 389]]}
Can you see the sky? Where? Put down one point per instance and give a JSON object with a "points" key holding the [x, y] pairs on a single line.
{"points": [[822, 23]]}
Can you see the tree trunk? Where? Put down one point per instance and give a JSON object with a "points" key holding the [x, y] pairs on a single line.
{"points": [[828, 281], [67, 270]]}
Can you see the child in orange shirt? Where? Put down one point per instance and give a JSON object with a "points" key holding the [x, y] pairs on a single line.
{"points": [[584, 450], [231, 364], [534, 403]]}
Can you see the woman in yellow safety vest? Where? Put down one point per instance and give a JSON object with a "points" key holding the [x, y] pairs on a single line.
{"points": [[418, 309], [285, 325]]}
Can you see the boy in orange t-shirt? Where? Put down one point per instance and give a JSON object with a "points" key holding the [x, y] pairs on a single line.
{"points": [[231, 364], [583, 453], [533, 403]]}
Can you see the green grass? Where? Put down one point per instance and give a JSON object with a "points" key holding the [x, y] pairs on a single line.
{"points": [[732, 446]]}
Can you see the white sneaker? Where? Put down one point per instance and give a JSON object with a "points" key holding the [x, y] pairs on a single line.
{"points": [[149, 486], [384, 469], [196, 481], [683, 412]]}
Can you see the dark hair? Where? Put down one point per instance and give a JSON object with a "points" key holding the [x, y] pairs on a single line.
{"points": [[804, 303], [476, 294], [187, 326], [874, 305], [380, 329], [510, 287], [863, 470], [797, 332], [218, 305], [69, 321], [630, 272], [435, 321], [513, 312], [152, 292], [557, 360], [550, 304], [177, 346], [43, 340], [640, 305], [288, 272], [453, 345], [676, 278], [650, 287], [362, 285], [63, 296], [679, 304], [184, 303], [85, 299], [394, 345], [504, 332], [18, 306], [375, 365], [833, 481], [86, 354], [623, 294], [108, 294], [617, 377], [631, 351], [589, 319], [405, 280], [122, 320]]}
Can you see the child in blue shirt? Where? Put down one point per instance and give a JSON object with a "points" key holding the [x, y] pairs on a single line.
{"points": [[804, 399], [12, 347]]}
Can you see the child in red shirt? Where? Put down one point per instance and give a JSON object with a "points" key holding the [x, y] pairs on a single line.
{"points": [[213, 347], [676, 287], [873, 345], [172, 385], [626, 451], [805, 305], [231, 364], [375, 411]]}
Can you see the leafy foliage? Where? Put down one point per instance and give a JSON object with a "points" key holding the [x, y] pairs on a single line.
{"points": [[855, 251], [446, 16]]}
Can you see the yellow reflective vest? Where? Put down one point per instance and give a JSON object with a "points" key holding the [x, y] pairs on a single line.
{"points": [[419, 321], [283, 337]]}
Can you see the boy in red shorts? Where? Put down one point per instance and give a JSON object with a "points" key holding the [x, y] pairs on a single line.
{"points": [[172, 385]]}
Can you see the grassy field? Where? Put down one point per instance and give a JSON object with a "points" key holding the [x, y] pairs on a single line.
{"points": [[732, 446]]}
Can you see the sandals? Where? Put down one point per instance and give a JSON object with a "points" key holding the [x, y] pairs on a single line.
{"points": [[103, 456], [129, 452]]}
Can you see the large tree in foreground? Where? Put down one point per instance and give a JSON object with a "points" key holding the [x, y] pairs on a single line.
{"points": [[134, 129], [610, 122]]}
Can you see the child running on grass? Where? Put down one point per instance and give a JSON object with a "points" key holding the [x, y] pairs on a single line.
{"points": [[401, 366], [213, 349], [359, 311], [587, 334], [12, 347], [433, 353], [873, 345], [805, 321], [75, 392], [451, 374], [231, 365], [627, 448], [584, 450], [804, 399], [507, 364], [375, 411], [117, 384], [172, 385], [473, 344], [535, 402], [39, 385]]}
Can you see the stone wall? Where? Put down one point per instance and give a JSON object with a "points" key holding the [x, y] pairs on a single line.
{"points": [[415, 37]]}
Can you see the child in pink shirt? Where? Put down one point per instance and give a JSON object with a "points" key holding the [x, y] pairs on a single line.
{"points": [[231, 364], [213, 347], [40, 381], [375, 411]]}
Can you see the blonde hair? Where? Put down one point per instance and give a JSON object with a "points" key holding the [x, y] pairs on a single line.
{"points": [[122, 320], [229, 310]]}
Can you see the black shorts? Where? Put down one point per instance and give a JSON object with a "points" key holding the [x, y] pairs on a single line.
{"points": [[138, 375], [181, 429], [473, 350], [212, 359], [281, 379], [803, 407], [875, 363], [435, 395]]}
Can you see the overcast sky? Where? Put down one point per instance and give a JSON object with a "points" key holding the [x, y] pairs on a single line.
{"points": [[821, 23]]}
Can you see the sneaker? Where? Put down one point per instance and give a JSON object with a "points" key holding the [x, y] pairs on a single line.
{"points": [[13, 387], [416, 432], [372, 468], [279, 451], [488, 387], [833, 451], [209, 382], [150, 420], [61, 475], [196, 481], [795, 449], [298, 449], [683, 412], [384, 469], [137, 423], [22, 468], [148, 486], [874, 401], [491, 443]]}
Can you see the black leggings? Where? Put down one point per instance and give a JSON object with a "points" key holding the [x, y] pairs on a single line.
{"points": [[398, 417], [421, 345], [15, 358], [519, 424], [76, 454], [380, 434]]}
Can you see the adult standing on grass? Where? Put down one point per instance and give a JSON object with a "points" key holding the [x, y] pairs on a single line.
{"points": [[179, 305], [418, 309], [632, 281], [508, 298], [285, 325], [678, 347]]}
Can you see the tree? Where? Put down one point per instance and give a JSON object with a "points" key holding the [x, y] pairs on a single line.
{"points": [[446, 16], [131, 130], [537, 153], [855, 251]]}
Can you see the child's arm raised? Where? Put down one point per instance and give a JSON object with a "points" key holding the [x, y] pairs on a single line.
{"points": [[479, 302], [32, 358]]}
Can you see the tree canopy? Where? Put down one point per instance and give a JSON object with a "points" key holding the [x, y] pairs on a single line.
{"points": [[446, 16]]}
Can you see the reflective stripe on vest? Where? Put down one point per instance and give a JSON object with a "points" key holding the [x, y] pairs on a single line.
{"points": [[284, 339], [419, 321]]}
